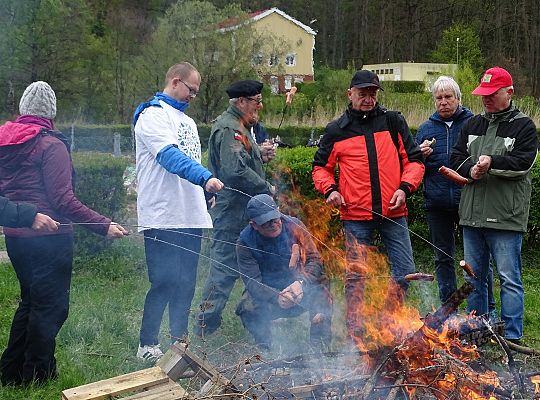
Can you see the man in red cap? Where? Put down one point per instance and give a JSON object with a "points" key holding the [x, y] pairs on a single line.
{"points": [[496, 150]]}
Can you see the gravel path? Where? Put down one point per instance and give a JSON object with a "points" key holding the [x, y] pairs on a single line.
{"points": [[3, 256]]}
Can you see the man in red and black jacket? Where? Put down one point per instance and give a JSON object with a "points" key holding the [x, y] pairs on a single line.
{"points": [[379, 167]]}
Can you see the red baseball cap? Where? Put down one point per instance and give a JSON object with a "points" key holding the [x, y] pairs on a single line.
{"points": [[493, 79]]}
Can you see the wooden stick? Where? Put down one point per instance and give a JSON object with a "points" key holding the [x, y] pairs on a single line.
{"points": [[524, 350]]}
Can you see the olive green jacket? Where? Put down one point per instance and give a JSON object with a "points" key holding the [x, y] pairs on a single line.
{"points": [[500, 199], [235, 159]]}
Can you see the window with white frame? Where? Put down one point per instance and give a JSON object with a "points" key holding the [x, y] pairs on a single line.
{"points": [[274, 84], [288, 82], [257, 59], [273, 60], [290, 60]]}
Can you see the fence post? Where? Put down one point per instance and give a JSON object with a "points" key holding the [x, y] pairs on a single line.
{"points": [[132, 140], [72, 145], [116, 145]]}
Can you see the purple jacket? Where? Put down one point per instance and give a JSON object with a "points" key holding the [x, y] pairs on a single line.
{"points": [[36, 168]]}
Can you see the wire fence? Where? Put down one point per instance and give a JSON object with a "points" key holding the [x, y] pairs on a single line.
{"points": [[118, 144]]}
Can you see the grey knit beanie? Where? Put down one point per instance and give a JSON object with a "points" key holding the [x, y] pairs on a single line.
{"points": [[38, 99]]}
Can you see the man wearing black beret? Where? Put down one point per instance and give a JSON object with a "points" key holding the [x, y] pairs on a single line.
{"points": [[235, 159], [246, 88]]}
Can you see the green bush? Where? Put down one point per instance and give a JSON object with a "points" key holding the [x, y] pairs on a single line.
{"points": [[404, 86], [99, 185], [100, 137], [291, 172], [533, 228]]}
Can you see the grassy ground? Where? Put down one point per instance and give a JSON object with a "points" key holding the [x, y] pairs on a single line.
{"points": [[100, 338]]}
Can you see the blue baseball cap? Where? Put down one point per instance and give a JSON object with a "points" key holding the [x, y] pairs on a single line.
{"points": [[262, 208]]}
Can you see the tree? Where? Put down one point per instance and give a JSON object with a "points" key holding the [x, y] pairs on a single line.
{"points": [[459, 44], [41, 48], [218, 42]]}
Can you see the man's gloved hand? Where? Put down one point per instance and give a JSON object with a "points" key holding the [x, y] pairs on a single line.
{"points": [[292, 295]]}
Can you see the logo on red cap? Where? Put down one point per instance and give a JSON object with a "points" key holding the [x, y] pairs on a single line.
{"points": [[494, 79]]}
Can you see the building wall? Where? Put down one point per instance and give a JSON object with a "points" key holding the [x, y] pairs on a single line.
{"points": [[299, 42], [410, 71]]}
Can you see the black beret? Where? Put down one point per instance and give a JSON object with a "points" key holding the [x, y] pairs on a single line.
{"points": [[244, 89]]}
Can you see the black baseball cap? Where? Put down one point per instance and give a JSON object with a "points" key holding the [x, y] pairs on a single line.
{"points": [[364, 78]]}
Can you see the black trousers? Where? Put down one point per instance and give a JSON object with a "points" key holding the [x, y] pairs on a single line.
{"points": [[43, 266]]}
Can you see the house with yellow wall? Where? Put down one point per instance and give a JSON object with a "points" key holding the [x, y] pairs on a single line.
{"points": [[411, 71], [290, 63]]}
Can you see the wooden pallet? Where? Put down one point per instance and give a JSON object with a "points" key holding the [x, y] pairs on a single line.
{"points": [[158, 382]]}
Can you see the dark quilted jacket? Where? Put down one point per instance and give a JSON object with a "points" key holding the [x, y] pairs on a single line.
{"points": [[439, 192]]}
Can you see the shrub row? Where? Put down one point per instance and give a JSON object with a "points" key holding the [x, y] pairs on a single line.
{"points": [[100, 138], [291, 172], [404, 86], [99, 184]]}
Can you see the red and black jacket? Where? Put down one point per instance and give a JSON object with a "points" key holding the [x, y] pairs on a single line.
{"points": [[376, 155]]}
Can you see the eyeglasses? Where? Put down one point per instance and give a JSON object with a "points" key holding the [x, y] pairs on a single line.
{"points": [[192, 92], [255, 99], [271, 223]]}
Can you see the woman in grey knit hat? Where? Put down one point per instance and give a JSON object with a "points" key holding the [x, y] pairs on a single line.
{"points": [[36, 167]]}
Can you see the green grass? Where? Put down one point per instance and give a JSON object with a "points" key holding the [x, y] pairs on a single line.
{"points": [[100, 337]]}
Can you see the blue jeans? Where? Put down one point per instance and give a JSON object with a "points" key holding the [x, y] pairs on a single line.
{"points": [[395, 236], [443, 224], [172, 271], [505, 249]]}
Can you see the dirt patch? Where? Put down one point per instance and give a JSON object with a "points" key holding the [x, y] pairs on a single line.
{"points": [[3, 256]]}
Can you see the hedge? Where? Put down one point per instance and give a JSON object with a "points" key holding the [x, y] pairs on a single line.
{"points": [[100, 137], [291, 172], [99, 184], [404, 86]]}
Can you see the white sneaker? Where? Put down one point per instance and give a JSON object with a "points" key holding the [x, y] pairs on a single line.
{"points": [[149, 352]]}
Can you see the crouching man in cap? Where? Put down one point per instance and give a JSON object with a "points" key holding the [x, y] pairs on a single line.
{"points": [[235, 159], [496, 151], [282, 272]]}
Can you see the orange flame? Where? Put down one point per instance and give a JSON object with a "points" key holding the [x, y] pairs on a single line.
{"points": [[536, 380], [378, 317]]}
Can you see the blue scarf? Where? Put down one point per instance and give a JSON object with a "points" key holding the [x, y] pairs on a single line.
{"points": [[154, 102]]}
